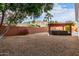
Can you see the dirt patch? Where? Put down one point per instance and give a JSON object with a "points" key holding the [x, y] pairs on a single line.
{"points": [[39, 44]]}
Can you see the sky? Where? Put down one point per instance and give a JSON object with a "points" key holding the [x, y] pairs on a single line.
{"points": [[61, 12]]}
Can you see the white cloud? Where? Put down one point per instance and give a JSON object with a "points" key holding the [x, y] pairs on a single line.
{"points": [[63, 14]]}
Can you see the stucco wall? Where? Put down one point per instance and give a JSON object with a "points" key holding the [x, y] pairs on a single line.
{"points": [[13, 30]]}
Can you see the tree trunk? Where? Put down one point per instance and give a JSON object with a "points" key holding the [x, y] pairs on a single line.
{"points": [[3, 14]]}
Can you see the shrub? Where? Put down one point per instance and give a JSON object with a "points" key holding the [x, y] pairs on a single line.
{"points": [[67, 28]]}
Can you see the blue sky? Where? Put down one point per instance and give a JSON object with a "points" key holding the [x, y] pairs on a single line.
{"points": [[68, 5], [61, 12]]}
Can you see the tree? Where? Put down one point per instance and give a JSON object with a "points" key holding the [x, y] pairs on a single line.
{"points": [[2, 9], [22, 9], [48, 16]]}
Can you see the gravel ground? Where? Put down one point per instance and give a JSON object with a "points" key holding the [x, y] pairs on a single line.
{"points": [[39, 44]]}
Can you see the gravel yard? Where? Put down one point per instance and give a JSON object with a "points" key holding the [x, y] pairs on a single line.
{"points": [[39, 44]]}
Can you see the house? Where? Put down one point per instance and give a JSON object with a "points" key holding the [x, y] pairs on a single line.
{"points": [[41, 23]]}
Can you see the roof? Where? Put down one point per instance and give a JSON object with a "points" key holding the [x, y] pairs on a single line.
{"points": [[60, 24]]}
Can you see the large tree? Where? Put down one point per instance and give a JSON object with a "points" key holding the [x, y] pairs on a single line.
{"points": [[3, 8], [21, 10]]}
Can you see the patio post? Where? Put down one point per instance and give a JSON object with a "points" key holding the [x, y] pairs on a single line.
{"points": [[70, 29], [63, 28], [48, 29]]}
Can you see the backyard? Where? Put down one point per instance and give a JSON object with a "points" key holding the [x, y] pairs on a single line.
{"points": [[25, 29]]}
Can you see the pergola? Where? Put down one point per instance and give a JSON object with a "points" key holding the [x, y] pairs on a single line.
{"points": [[60, 25]]}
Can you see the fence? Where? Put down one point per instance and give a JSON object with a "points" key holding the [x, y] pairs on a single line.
{"points": [[23, 30]]}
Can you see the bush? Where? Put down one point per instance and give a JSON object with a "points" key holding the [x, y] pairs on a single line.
{"points": [[34, 25], [67, 28]]}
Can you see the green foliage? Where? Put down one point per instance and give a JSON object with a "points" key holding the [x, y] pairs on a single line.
{"points": [[23, 9], [3, 6], [48, 6], [34, 25], [67, 28], [30, 8], [48, 16]]}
